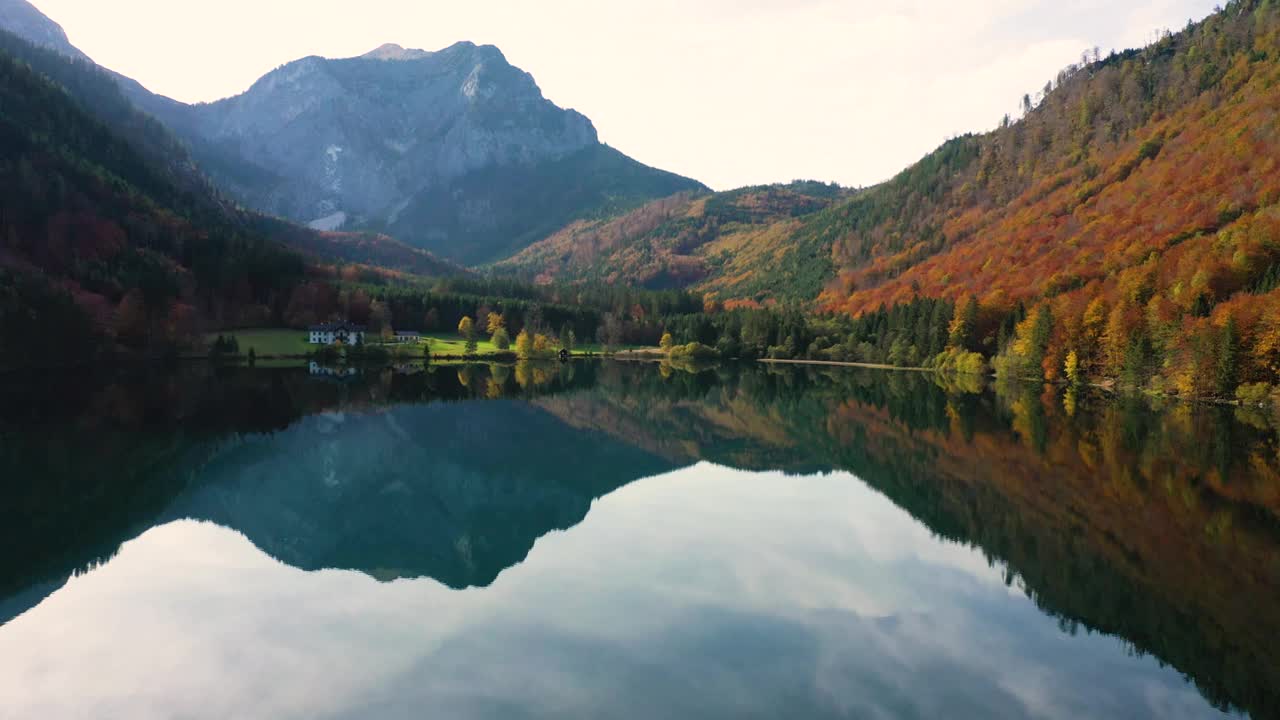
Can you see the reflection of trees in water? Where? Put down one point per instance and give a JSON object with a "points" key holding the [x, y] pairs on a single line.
{"points": [[1157, 523]]}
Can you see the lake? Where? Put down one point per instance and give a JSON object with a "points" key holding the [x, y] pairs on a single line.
{"points": [[627, 540]]}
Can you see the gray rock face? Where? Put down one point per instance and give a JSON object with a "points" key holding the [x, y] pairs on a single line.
{"points": [[22, 19], [364, 135]]}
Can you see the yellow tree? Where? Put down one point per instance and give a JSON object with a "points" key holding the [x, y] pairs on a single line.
{"points": [[1072, 367], [1031, 340], [495, 323], [1115, 339], [963, 323], [667, 343], [1092, 327], [524, 345], [466, 327]]}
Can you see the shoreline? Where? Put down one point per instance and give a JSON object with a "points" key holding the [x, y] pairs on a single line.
{"points": [[640, 356], [1099, 387], [837, 363]]}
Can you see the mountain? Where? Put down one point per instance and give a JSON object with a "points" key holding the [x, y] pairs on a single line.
{"points": [[456, 151]]}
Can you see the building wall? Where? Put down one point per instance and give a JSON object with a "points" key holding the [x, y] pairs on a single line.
{"points": [[329, 338]]}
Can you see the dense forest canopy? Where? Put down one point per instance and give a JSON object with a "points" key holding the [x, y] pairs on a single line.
{"points": [[1126, 227]]}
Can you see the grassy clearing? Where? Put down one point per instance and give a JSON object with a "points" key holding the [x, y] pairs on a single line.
{"points": [[442, 344], [280, 342], [273, 341]]}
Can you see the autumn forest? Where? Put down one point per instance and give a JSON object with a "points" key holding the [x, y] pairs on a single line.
{"points": [[1123, 230]]}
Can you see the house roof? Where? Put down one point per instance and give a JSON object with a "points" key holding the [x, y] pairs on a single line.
{"points": [[335, 327]]}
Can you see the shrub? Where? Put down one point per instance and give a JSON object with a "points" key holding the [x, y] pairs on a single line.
{"points": [[961, 361], [1253, 393], [694, 351], [524, 345]]}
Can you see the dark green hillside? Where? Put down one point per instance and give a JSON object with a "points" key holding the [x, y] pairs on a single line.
{"points": [[490, 214], [84, 216]]}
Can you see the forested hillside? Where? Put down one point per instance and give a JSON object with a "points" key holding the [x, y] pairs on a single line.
{"points": [[717, 243], [1133, 212], [1126, 226], [95, 241]]}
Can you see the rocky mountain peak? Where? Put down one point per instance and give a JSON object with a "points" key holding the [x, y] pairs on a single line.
{"points": [[394, 52]]}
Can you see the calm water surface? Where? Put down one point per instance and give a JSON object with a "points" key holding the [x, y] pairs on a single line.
{"points": [[629, 541]]}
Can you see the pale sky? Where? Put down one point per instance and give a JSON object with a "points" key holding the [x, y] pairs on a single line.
{"points": [[731, 92]]}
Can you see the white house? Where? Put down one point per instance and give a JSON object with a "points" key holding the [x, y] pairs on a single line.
{"points": [[406, 336], [332, 333]]}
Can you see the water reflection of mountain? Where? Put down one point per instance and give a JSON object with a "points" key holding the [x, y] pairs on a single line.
{"points": [[457, 492], [393, 475], [1158, 525]]}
